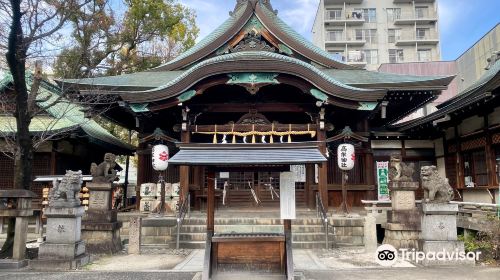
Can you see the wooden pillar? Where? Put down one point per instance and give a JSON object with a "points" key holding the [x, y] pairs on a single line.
{"points": [[490, 155], [183, 169], [141, 173], [370, 173], [460, 161], [211, 201], [309, 194], [323, 171]]}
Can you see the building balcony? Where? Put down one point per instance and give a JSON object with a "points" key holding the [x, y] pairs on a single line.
{"points": [[427, 39], [349, 18], [336, 42], [412, 18]]}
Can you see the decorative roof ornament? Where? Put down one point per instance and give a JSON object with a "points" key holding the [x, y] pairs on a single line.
{"points": [[492, 60], [252, 42], [240, 3]]}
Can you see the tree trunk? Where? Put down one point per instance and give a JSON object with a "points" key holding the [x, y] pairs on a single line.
{"points": [[16, 59]]}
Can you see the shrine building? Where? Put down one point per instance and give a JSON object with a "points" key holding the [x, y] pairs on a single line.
{"points": [[253, 99]]}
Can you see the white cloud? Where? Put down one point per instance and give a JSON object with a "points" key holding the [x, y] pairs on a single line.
{"points": [[299, 14]]}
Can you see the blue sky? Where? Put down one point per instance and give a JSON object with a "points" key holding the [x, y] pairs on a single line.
{"points": [[462, 22]]}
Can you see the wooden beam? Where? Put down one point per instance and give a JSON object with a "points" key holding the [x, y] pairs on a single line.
{"points": [[250, 127], [246, 107]]}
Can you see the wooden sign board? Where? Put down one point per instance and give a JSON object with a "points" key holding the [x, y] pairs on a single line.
{"points": [[287, 195]]}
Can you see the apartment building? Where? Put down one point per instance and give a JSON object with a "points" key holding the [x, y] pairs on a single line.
{"points": [[371, 32]]}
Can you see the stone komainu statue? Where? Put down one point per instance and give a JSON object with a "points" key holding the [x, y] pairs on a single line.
{"points": [[436, 188], [400, 171], [104, 172], [65, 193]]}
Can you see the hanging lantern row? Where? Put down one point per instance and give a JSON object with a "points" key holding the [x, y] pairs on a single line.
{"points": [[346, 156], [255, 133], [160, 157]]}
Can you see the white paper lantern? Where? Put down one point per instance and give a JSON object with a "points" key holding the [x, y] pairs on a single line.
{"points": [[346, 156], [160, 157]]}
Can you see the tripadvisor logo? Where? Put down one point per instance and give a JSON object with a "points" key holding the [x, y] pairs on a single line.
{"points": [[387, 255]]}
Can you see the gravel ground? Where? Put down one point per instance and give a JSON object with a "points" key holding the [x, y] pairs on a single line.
{"points": [[150, 260]]}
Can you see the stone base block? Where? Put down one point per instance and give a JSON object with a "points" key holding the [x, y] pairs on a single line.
{"points": [[60, 265], [102, 241], [12, 264], [402, 238], [439, 208], [411, 219], [454, 249], [51, 251], [102, 216]]}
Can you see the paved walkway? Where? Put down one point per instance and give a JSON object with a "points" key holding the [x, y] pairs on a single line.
{"points": [[193, 262]]}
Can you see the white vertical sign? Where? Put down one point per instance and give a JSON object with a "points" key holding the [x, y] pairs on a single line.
{"points": [[287, 195], [300, 172]]}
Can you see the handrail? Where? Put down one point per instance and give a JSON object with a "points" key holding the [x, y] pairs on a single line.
{"points": [[320, 209], [184, 209]]}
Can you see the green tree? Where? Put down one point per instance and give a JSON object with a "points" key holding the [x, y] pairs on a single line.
{"points": [[150, 33], [29, 25]]}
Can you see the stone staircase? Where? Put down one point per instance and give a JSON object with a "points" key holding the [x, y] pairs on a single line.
{"points": [[307, 232]]}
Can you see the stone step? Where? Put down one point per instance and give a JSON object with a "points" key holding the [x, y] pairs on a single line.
{"points": [[248, 275], [256, 228], [252, 221]]}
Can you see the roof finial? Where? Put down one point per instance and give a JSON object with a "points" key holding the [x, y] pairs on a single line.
{"points": [[492, 60], [253, 3]]}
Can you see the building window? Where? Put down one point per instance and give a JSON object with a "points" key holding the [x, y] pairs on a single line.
{"points": [[393, 35], [371, 56], [423, 33], [421, 12], [335, 35], [370, 15], [356, 56], [424, 55], [370, 35], [334, 14], [396, 55], [393, 14], [338, 55], [475, 171]]}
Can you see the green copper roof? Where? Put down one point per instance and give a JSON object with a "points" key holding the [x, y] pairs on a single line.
{"points": [[62, 114], [255, 55], [372, 78], [489, 81], [354, 78]]}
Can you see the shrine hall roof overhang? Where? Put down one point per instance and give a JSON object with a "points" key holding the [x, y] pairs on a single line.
{"points": [[247, 154], [482, 93], [165, 85]]}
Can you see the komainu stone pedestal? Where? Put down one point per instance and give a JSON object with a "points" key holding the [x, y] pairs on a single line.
{"points": [[63, 248], [439, 234], [403, 221], [100, 228]]}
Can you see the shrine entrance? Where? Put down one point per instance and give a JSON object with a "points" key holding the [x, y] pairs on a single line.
{"points": [[253, 169], [253, 188]]}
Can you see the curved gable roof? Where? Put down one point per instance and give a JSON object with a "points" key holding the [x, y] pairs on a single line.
{"points": [[243, 12]]}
